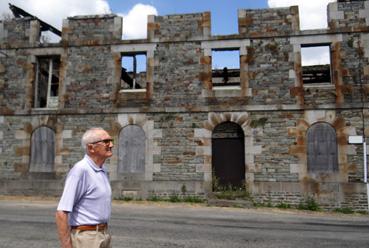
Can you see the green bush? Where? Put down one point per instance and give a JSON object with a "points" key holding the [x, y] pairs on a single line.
{"points": [[309, 204], [174, 198], [283, 205], [344, 210], [193, 199], [154, 198]]}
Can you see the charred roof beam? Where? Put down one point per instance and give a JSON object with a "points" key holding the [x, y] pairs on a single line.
{"points": [[20, 13]]}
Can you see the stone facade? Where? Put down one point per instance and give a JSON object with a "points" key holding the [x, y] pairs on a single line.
{"points": [[180, 109]]}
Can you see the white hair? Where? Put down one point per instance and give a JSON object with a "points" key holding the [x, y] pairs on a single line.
{"points": [[91, 135]]}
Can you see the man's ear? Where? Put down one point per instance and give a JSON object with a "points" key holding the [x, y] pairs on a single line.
{"points": [[90, 148]]}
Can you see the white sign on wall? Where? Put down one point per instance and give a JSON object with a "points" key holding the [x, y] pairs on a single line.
{"points": [[355, 139]]}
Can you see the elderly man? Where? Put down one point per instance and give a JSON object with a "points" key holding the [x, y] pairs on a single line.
{"points": [[85, 206]]}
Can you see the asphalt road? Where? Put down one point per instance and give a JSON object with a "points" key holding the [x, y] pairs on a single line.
{"points": [[25, 224]]}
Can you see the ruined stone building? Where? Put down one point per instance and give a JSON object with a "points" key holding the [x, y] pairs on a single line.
{"points": [[180, 125]]}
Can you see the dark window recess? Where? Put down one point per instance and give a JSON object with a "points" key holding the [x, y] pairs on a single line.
{"points": [[316, 63], [226, 77], [133, 73], [47, 82], [228, 156], [322, 148], [316, 74], [225, 67]]}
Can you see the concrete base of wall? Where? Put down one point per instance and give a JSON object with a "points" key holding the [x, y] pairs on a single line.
{"points": [[146, 189], [42, 187]]}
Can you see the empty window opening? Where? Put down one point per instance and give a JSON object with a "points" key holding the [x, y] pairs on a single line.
{"points": [[322, 148], [316, 64], [133, 74], [49, 37], [225, 67], [47, 82]]}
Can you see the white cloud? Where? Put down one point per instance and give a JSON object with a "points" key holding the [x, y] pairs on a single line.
{"points": [[315, 55], [54, 11], [313, 13], [135, 22]]}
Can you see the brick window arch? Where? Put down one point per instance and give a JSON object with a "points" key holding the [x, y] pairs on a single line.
{"points": [[42, 150], [322, 148], [131, 150]]}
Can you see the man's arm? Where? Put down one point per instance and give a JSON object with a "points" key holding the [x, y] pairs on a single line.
{"points": [[61, 218]]}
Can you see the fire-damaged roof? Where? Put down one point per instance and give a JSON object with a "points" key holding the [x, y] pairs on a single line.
{"points": [[20, 13]]}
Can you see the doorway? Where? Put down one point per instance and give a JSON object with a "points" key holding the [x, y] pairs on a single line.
{"points": [[228, 156]]}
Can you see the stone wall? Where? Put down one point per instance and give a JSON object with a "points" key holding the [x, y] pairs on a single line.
{"points": [[20, 32], [268, 22], [180, 108], [91, 30], [349, 15]]}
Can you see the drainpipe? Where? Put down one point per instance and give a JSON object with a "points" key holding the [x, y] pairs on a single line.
{"points": [[366, 171], [360, 53]]}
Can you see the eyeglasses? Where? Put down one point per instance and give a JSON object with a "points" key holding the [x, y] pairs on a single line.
{"points": [[105, 141]]}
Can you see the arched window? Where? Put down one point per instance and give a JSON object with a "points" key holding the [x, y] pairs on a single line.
{"points": [[42, 150], [322, 148], [131, 150], [228, 155]]}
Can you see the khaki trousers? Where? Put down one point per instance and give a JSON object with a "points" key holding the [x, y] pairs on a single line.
{"points": [[90, 239]]}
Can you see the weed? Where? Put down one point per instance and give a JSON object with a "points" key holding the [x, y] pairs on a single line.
{"points": [[344, 210], [283, 205], [154, 198], [174, 198], [309, 204], [193, 199]]}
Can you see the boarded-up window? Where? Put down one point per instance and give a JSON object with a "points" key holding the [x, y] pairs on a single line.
{"points": [[42, 150], [131, 150], [322, 148]]}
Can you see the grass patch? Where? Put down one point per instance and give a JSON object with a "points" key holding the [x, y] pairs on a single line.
{"points": [[176, 198], [283, 205]]}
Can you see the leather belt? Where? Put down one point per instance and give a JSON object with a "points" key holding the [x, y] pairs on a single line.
{"points": [[98, 227]]}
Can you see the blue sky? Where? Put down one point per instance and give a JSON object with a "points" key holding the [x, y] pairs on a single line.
{"points": [[223, 12], [134, 13]]}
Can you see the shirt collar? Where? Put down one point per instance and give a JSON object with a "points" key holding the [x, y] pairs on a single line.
{"points": [[92, 164]]}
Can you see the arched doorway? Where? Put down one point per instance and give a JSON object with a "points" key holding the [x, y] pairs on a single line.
{"points": [[228, 156]]}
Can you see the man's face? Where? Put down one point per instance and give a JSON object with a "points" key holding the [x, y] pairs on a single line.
{"points": [[103, 147]]}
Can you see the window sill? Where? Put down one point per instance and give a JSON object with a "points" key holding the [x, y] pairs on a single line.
{"points": [[44, 109], [237, 87], [132, 90], [227, 91], [319, 86]]}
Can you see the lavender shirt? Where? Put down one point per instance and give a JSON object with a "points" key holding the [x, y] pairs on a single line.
{"points": [[87, 194]]}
